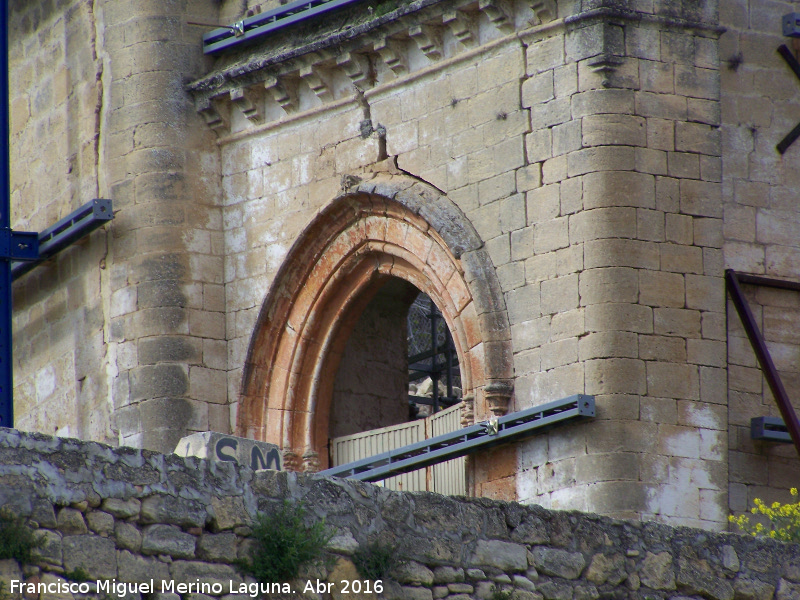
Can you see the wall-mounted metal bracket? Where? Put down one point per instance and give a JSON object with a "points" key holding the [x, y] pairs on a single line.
{"points": [[792, 136], [67, 231], [791, 25], [19, 245], [770, 429], [733, 281]]}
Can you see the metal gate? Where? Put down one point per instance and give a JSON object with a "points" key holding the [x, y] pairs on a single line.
{"points": [[448, 477], [443, 478]]}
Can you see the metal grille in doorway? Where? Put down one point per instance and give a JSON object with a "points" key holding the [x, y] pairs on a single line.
{"points": [[433, 373]]}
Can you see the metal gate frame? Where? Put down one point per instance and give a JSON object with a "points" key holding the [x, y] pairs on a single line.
{"points": [[733, 281], [443, 478]]}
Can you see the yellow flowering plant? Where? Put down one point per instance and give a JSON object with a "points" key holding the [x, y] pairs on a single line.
{"points": [[784, 520]]}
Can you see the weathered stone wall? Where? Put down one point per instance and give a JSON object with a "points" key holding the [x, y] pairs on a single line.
{"points": [[571, 178], [585, 152], [120, 338], [166, 326], [56, 96], [135, 515], [624, 125], [758, 109]]}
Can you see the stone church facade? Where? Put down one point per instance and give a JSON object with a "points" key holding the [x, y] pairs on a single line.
{"points": [[568, 180]]}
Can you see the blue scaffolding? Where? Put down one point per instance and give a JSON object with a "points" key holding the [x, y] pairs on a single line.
{"points": [[20, 251]]}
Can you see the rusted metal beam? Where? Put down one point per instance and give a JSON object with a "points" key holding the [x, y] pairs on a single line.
{"points": [[792, 136], [762, 281], [732, 280]]}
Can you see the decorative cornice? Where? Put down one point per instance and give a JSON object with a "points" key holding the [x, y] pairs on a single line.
{"points": [[411, 38], [208, 109], [613, 13], [462, 27], [329, 65], [500, 14], [428, 39], [283, 92], [377, 91], [356, 66], [248, 101]]}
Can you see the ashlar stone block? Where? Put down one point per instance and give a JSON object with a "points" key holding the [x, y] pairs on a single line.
{"points": [[610, 284], [676, 321], [168, 539], [683, 164], [673, 380], [620, 188], [599, 223], [545, 54], [502, 555], [615, 376], [537, 89], [619, 317], [607, 344], [659, 288], [614, 130], [559, 294], [551, 235]]}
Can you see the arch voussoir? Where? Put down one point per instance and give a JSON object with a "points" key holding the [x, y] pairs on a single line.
{"points": [[387, 227]]}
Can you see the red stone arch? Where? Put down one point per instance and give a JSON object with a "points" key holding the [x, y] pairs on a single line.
{"points": [[390, 226]]}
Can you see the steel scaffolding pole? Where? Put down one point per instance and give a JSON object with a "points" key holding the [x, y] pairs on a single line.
{"points": [[22, 247], [6, 360]]}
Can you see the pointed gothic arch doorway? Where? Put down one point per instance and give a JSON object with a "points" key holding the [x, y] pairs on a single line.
{"points": [[388, 231], [370, 387]]}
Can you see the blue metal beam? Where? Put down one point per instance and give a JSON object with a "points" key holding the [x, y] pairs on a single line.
{"points": [[258, 25], [771, 429], [508, 428], [67, 231], [6, 360], [23, 247]]}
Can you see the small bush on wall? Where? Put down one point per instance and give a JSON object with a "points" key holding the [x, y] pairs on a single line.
{"points": [[17, 540], [376, 560], [284, 544]]}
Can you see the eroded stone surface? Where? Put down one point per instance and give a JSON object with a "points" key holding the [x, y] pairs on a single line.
{"points": [[658, 572], [168, 539], [561, 563], [502, 555], [95, 555]]}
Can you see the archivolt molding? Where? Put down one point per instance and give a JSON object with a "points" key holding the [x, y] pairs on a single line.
{"points": [[389, 226]]}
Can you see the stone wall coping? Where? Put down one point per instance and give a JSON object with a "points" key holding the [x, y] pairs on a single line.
{"points": [[42, 475]]}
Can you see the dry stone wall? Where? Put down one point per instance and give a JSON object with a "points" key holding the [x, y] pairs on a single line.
{"points": [[133, 515]]}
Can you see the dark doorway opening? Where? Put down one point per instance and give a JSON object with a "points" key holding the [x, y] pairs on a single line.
{"points": [[398, 364]]}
